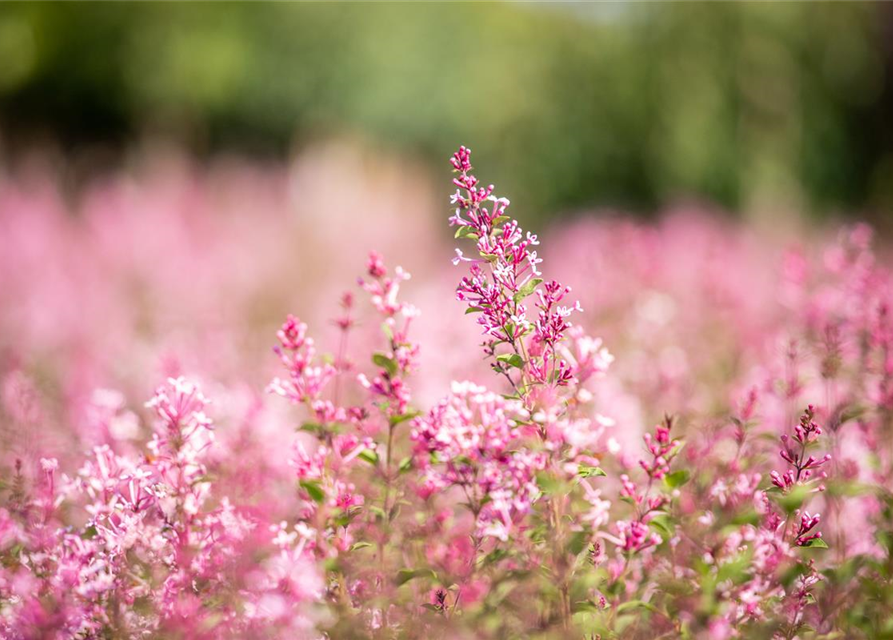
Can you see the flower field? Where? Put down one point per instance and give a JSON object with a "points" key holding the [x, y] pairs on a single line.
{"points": [[226, 412]]}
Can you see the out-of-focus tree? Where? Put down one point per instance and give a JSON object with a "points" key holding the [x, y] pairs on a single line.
{"points": [[620, 104]]}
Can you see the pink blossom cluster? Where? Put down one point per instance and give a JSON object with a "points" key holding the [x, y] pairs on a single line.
{"points": [[156, 553], [376, 501], [502, 277], [470, 440]]}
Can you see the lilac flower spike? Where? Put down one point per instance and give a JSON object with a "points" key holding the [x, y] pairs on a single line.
{"points": [[505, 273]]}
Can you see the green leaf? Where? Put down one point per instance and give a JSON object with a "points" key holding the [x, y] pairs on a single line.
{"points": [[343, 519], [584, 605], [793, 499], [851, 412], [473, 310], [528, 288], [663, 524], [494, 556], [816, 543], [591, 472], [466, 231], [403, 417], [378, 511], [511, 359], [394, 512], [737, 569], [677, 478], [313, 489], [577, 542], [548, 483], [405, 465], [747, 517], [312, 427], [405, 575], [386, 363], [636, 604], [369, 456], [360, 545]]}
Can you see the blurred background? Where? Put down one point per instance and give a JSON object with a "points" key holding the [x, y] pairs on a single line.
{"points": [[175, 178], [753, 109]]}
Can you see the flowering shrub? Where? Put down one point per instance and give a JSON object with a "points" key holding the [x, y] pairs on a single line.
{"points": [[525, 503]]}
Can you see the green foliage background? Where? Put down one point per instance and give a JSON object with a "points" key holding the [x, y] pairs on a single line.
{"points": [[631, 105]]}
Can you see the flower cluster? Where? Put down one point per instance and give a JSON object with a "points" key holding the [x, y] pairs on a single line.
{"points": [[306, 378], [399, 360], [470, 440], [157, 554], [662, 450], [802, 467], [502, 277], [380, 502]]}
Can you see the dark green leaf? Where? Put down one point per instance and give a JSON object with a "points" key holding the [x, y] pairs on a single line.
{"points": [[677, 478], [548, 483], [636, 604], [386, 363], [584, 605], [466, 231], [511, 359], [378, 511], [528, 288], [591, 472], [577, 542], [816, 543], [312, 427], [793, 499], [403, 417], [395, 510], [663, 524], [405, 575], [494, 556], [736, 569], [313, 490]]}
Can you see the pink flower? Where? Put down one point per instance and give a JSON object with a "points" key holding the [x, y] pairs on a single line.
{"points": [[469, 440]]}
